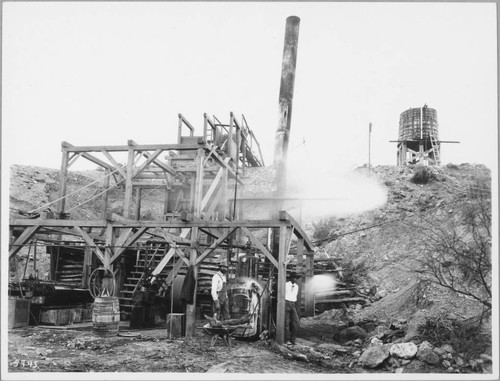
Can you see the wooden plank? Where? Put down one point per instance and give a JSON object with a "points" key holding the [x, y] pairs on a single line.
{"points": [[63, 181], [174, 238], [149, 158], [191, 307], [159, 268], [165, 167], [213, 187], [115, 164], [260, 245], [150, 224], [299, 232], [128, 183], [119, 250], [104, 207], [90, 242], [173, 273], [67, 147], [25, 236], [173, 244], [215, 202], [280, 313], [214, 245]]}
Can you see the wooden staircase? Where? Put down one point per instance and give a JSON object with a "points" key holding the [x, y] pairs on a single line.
{"points": [[147, 258]]}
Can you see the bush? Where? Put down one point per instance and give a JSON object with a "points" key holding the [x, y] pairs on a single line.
{"points": [[323, 227], [354, 272], [463, 335], [422, 175]]}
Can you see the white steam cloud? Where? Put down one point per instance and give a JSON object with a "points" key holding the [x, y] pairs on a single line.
{"points": [[327, 193]]}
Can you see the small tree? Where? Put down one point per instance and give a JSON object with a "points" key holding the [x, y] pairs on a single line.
{"points": [[456, 251]]}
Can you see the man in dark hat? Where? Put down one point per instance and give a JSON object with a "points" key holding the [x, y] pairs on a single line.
{"points": [[219, 294], [292, 323]]}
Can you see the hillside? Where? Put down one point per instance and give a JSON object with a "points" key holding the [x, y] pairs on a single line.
{"points": [[380, 249]]}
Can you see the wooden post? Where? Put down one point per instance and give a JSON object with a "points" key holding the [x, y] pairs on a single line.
{"points": [[87, 264], [198, 196], [280, 313], [104, 206], [63, 183], [309, 296], [165, 202], [300, 268], [128, 182], [138, 192], [108, 254]]}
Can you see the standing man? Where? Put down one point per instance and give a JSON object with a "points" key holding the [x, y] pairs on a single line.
{"points": [[219, 294], [292, 323]]}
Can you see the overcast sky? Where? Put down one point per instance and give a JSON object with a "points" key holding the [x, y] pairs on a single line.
{"points": [[103, 73]]}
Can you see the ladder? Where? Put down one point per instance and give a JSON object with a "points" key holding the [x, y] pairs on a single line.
{"points": [[435, 150], [147, 257]]}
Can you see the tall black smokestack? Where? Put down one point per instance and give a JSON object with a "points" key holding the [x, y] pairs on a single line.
{"points": [[285, 102]]}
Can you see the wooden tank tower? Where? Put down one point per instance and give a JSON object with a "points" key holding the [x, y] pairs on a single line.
{"points": [[418, 138]]}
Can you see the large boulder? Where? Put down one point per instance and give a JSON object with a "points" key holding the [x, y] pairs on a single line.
{"points": [[350, 333], [428, 355], [404, 350], [373, 356]]}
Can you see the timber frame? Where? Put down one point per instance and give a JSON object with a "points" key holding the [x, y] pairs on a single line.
{"points": [[201, 171]]}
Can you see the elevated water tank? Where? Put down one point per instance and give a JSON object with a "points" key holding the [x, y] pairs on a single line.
{"points": [[418, 124]]}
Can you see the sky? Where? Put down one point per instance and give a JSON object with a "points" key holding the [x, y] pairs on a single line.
{"points": [[98, 73]]}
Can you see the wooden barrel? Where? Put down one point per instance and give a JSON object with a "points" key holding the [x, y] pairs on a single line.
{"points": [[106, 316]]}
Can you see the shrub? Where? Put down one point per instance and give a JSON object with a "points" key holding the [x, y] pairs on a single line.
{"points": [[323, 227], [422, 175], [354, 271], [463, 335]]}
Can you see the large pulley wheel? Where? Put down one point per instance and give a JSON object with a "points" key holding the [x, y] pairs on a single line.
{"points": [[102, 283], [175, 294]]}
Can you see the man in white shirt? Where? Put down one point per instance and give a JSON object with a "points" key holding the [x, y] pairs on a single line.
{"points": [[292, 323], [219, 294]]}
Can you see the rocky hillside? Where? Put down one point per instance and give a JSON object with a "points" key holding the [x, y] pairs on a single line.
{"points": [[380, 250], [380, 246]]}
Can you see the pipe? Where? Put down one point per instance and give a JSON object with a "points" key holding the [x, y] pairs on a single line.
{"points": [[285, 100]]}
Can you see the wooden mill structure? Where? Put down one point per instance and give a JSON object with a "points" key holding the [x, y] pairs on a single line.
{"points": [[198, 175]]}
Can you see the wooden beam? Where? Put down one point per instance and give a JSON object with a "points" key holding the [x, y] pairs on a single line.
{"points": [[117, 166], [213, 205], [165, 167], [214, 245], [184, 233], [174, 238], [63, 182], [104, 207], [25, 236], [66, 147], [90, 242], [191, 307], [260, 245], [213, 187], [133, 239], [96, 160], [309, 292], [198, 184], [280, 313], [224, 164], [173, 273], [284, 216], [204, 224], [149, 158], [173, 244]]}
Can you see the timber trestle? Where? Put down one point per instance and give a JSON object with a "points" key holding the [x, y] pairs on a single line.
{"points": [[197, 177]]}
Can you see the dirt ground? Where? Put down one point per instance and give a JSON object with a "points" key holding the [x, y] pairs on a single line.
{"points": [[78, 349]]}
